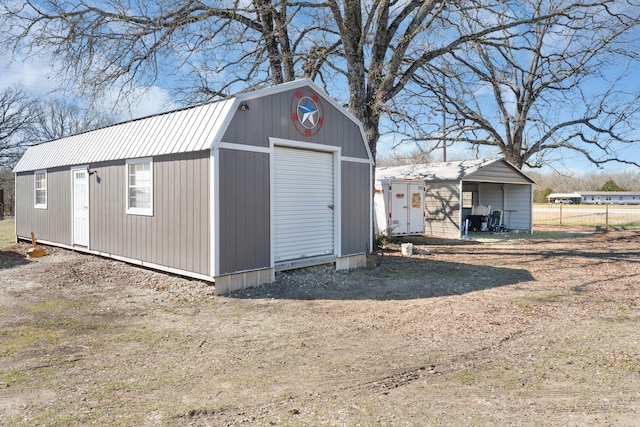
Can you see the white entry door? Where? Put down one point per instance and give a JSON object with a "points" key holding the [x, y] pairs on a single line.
{"points": [[80, 207]]}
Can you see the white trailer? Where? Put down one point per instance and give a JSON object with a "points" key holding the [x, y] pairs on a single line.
{"points": [[399, 207]]}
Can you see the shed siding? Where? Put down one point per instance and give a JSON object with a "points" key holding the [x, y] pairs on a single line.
{"points": [[519, 198], [356, 207], [514, 200], [52, 224], [270, 116], [244, 211], [500, 172], [177, 235], [442, 209], [491, 194]]}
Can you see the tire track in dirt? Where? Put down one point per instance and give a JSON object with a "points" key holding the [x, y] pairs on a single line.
{"points": [[383, 386]]}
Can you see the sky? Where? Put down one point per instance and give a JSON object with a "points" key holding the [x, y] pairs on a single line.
{"points": [[40, 81], [37, 78]]}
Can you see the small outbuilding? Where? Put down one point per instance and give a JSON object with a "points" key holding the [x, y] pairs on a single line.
{"points": [[566, 198], [229, 191], [399, 207], [469, 189]]}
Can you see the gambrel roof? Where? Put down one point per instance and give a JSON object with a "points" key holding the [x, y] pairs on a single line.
{"points": [[189, 129], [195, 128]]}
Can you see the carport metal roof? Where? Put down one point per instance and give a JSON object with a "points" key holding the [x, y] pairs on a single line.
{"points": [[484, 170]]}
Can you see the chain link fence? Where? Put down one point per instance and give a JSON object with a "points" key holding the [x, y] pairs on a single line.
{"points": [[597, 216]]}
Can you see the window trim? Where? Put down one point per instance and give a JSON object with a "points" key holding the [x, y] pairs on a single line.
{"points": [[465, 199], [135, 210], [35, 189]]}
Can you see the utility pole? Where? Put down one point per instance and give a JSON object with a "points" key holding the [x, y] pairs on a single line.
{"points": [[444, 124]]}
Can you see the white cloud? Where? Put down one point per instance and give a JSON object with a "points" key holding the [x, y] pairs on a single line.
{"points": [[32, 75], [140, 103], [39, 80]]}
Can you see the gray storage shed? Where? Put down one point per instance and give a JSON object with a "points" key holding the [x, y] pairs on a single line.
{"points": [[455, 190], [229, 191]]}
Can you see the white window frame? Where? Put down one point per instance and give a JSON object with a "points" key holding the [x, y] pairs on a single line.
{"points": [[137, 210], [469, 202], [35, 189]]}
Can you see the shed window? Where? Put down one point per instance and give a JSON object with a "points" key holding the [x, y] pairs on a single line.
{"points": [[41, 190], [467, 199], [140, 187]]}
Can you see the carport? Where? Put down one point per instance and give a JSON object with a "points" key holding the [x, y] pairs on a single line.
{"points": [[456, 190]]}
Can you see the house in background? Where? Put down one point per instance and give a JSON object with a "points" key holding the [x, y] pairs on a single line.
{"points": [[596, 198], [456, 190], [229, 191]]}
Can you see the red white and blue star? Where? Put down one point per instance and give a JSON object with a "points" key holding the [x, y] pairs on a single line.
{"points": [[307, 112]]}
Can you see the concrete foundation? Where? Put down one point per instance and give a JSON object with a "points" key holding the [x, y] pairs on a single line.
{"points": [[351, 262], [247, 279]]}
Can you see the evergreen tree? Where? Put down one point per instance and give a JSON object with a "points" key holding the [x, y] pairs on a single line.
{"points": [[611, 185]]}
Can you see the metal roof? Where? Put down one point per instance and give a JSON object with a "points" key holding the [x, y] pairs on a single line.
{"points": [[564, 195], [445, 171], [588, 193], [455, 171], [181, 131], [190, 129]]}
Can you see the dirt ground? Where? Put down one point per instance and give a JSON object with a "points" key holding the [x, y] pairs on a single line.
{"points": [[518, 332]]}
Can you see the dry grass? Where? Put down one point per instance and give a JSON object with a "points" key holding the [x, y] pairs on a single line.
{"points": [[7, 233], [527, 332]]}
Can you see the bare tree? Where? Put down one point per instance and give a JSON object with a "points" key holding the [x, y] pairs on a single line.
{"points": [[542, 90], [56, 118], [416, 156], [16, 114], [209, 49], [7, 185], [629, 179], [24, 122]]}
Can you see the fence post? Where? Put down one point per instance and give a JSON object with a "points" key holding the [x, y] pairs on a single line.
{"points": [[560, 214], [606, 219]]}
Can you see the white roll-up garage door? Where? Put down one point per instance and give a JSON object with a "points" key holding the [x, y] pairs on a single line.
{"points": [[303, 203]]}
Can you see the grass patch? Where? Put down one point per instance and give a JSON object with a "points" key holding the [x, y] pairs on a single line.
{"points": [[141, 336], [51, 306], [7, 233], [42, 376], [49, 325], [21, 339], [12, 377]]}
